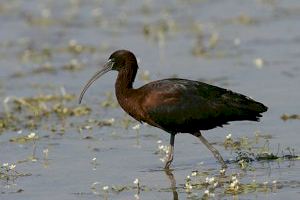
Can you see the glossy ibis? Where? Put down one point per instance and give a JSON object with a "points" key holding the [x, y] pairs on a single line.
{"points": [[177, 105]]}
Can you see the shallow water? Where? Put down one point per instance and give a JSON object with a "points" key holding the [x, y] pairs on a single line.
{"points": [[251, 47]]}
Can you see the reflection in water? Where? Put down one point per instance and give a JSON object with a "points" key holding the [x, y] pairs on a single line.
{"points": [[173, 183]]}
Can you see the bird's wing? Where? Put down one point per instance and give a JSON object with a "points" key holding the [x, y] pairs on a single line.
{"points": [[179, 105]]}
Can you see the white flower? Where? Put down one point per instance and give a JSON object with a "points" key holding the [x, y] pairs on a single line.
{"points": [[206, 192], [45, 151], [31, 135], [232, 185], [258, 62], [194, 174], [72, 42], [87, 127], [5, 164], [215, 184], [12, 166], [95, 183], [136, 181], [228, 136], [206, 179], [111, 120], [105, 188], [211, 180], [188, 186], [136, 127], [222, 171]]}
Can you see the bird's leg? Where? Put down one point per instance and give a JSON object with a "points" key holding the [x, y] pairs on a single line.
{"points": [[171, 151], [215, 152]]}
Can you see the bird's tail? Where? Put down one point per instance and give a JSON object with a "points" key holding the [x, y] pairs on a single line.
{"points": [[251, 109]]}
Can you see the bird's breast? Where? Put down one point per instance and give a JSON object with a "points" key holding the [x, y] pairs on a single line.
{"points": [[131, 107]]}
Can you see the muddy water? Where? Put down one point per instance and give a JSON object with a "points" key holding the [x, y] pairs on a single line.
{"points": [[53, 48]]}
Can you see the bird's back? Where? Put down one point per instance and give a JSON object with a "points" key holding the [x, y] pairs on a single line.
{"points": [[179, 105]]}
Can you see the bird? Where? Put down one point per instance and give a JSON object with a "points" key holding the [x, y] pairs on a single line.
{"points": [[176, 105]]}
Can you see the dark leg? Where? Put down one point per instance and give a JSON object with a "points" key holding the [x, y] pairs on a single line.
{"points": [[215, 152], [170, 155]]}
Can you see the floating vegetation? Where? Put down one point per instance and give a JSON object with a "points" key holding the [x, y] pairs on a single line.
{"points": [[36, 56], [8, 122], [247, 151], [203, 48], [161, 27], [62, 111], [107, 122], [221, 184], [105, 190], [24, 138], [76, 48], [48, 68], [9, 173], [235, 187], [160, 30], [198, 185], [43, 20], [110, 101], [91, 123], [244, 19], [73, 65], [37, 105], [286, 117], [28, 112]]}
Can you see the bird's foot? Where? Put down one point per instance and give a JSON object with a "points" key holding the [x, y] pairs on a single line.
{"points": [[224, 166], [169, 161], [168, 164]]}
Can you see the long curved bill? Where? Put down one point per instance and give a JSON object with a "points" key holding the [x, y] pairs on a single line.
{"points": [[106, 68]]}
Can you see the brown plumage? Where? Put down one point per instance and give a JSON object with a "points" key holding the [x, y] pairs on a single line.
{"points": [[177, 105]]}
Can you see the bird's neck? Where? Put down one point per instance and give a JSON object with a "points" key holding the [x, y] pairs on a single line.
{"points": [[125, 81]]}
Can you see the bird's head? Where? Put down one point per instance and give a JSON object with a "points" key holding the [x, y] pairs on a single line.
{"points": [[118, 61]]}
